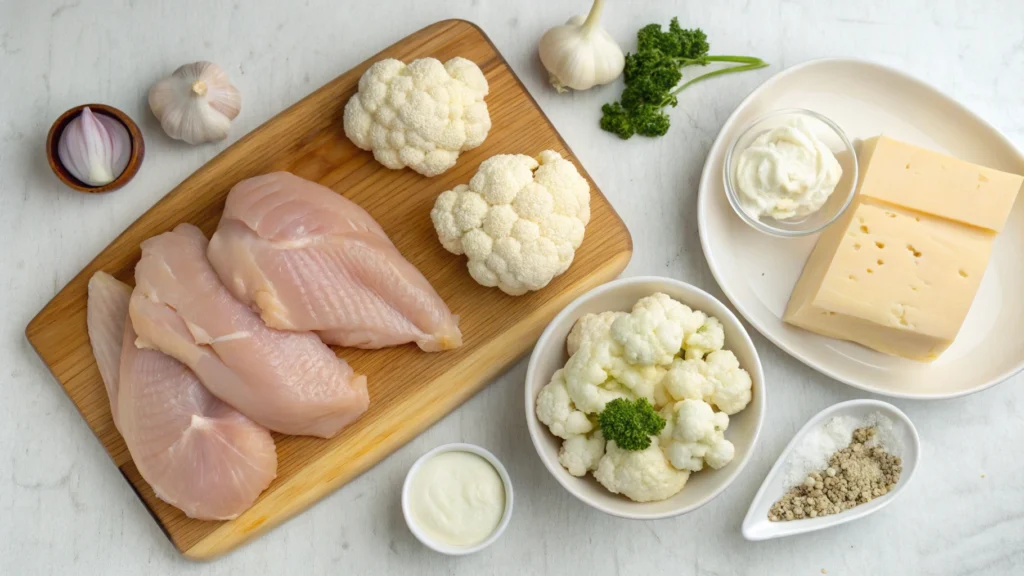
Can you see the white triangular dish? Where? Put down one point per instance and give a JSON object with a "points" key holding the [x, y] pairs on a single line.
{"points": [[756, 525]]}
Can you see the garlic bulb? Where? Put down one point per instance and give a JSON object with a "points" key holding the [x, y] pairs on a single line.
{"points": [[94, 148], [196, 103], [580, 54]]}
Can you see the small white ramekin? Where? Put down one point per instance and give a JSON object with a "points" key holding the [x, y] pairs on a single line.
{"points": [[447, 548]]}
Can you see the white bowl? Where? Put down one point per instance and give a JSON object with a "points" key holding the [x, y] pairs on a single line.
{"points": [[756, 525], [549, 355], [447, 548]]}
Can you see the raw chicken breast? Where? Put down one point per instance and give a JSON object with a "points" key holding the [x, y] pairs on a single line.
{"points": [[197, 453], [309, 259], [287, 381], [106, 311]]}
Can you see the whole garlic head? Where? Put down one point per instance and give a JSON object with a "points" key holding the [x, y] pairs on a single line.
{"points": [[580, 54], [196, 103]]}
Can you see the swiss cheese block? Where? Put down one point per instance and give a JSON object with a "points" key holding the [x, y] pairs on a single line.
{"points": [[933, 183], [892, 280], [899, 271]]}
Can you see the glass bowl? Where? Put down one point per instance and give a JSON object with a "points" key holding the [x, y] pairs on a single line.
{"points": [[825, 130]]}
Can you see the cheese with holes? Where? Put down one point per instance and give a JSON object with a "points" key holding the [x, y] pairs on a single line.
{"points": [[899, 271]]}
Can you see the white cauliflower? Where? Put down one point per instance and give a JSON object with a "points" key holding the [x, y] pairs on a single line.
{"points": [[580, 454], [642, 475], [590, 326], [717, 380], [654, 331], [556, 410], [421, 115], [694, 434], [708, 338], [597, 373], [688, 379], [519, 221], [732, 383]]}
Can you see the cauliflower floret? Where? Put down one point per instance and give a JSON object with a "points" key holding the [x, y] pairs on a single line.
{"points": [[708, 338], [688, 379], [694, 434], [519, 221], [556, 410], [642, 475], [590, 326], [582, 453], [652, 333], [421, 115], [590, 376], [732, 384], [597, 373], [717, 380]]}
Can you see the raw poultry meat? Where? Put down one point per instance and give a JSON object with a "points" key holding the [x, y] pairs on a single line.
{"points": [[309, 259], [105, 313], [290, 382], [196, 452]]}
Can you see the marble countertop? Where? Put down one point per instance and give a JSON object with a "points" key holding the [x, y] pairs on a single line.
{"points": [[64, 508]]}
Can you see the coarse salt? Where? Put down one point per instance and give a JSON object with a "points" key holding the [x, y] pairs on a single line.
{"points": [[819, 444]]}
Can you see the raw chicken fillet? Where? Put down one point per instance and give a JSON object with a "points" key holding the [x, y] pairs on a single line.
{"points": [[290, 382], [196, 452], [309, 259]]}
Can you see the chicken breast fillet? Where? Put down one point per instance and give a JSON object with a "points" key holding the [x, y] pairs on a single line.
{"points": [[290, 382], [309, 259], [198, 454]]}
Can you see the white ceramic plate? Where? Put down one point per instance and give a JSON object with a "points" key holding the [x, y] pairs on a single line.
{"points": [[757, 272]]}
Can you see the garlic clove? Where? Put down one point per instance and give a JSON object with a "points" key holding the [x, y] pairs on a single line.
{"points": [[196, 103], [580, 54], [94, 148]]}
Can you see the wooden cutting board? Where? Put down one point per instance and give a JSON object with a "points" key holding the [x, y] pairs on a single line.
{"points": [[409, 389]]}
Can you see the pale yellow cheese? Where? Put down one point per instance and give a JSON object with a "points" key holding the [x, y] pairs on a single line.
{"points": [[933, 183], [892, 280], [899, 271]]}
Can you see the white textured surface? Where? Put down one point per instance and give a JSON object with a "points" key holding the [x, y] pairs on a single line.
{"points": [[64, 508]]}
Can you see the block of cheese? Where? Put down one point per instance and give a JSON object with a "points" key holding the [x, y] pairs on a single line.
{"points": [[933, 183], [899, 271]]}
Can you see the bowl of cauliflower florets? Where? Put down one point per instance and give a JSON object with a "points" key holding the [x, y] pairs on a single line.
{"points": [[645, 397]]}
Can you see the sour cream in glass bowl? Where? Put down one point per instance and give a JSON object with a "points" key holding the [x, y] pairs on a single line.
{"points": [[791, 173]]}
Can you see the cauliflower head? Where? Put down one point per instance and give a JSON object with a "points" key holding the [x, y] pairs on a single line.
{"points": [[557, 411], [420, 115], [642, 475], [717, 380], [581, 454], [710, 336], [519, 220], [695, 435], [653, 332]]}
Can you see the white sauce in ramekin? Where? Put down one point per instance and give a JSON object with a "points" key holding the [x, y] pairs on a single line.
{"points": [[786, 172], [457, 498]]}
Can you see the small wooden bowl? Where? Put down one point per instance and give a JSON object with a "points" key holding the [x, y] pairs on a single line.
{"points": [[134, 159]]}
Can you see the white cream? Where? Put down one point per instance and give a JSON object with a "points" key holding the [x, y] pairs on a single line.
{"points": [[457, 498], [786, 172]]}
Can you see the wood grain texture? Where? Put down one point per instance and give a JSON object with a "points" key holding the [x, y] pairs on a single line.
{"points": [[409, 389]]}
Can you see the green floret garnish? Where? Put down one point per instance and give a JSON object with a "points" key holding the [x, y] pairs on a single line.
{"points": [[630, 424], [653, 72]]}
